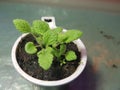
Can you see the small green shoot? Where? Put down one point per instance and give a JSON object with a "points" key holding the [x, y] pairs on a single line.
{"points": [[48, 40]]}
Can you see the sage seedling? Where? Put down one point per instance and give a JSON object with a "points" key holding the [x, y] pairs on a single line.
{"points": [[48, 40]]}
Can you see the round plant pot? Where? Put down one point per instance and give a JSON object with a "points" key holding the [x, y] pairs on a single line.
{"points": [[80, 68]]}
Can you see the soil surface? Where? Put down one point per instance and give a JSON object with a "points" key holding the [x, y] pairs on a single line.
{"points": [[29, 63]]}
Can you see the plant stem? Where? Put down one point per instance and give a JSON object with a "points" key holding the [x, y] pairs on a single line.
{"points": [[40, 45]]}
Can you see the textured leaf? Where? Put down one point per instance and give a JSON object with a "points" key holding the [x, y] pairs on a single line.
{"points": [[56, 52], [22, 25], [62, 49], [39, 27], [62, 37], [50, 37], [39, 40], [45, 58], [35, 32], [72, 35], [30, 48], [58, 30], [70, 56], [69, 36]]}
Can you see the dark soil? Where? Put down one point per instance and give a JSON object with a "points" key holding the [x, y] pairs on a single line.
{"points": [[29, 63]]}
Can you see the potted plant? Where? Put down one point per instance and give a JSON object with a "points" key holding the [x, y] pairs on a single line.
{"points": [[57, 55]]}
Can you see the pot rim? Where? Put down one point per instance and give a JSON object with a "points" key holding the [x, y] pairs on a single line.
{"points": [[80, 68]]}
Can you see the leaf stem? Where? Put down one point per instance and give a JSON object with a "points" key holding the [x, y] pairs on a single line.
{"points": [[40, 45]]}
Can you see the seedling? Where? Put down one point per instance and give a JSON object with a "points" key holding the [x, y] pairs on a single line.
{"points": [[51, 41]]}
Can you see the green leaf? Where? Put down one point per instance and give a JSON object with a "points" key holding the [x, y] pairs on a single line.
{"points": [[72, 35], [50, 37], [46, 50], [69, 36], [39, 27], [39, 40], [58, 30], [22, 25], [59, 52], [70, 56], [30, 48], [62, 49], [55, 52], [45, 58], [62, 37]]}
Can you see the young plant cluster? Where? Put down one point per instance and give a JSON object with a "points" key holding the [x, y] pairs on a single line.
{"points": [[48, 40]]}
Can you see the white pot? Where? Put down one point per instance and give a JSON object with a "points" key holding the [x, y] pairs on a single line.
{"points": [[78, 71]]}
